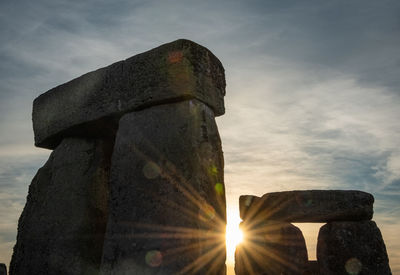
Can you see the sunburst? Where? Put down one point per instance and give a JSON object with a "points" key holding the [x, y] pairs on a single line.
{"points": [[234, 234]]}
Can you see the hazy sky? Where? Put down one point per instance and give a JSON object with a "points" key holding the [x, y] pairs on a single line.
{"points": [[313, 89]]}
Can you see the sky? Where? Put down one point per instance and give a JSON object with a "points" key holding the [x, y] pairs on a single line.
{"points": [[312, 98]]}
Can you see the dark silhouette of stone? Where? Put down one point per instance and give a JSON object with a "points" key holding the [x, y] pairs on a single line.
{"points": [[352, 248], [61, 229], [167, 205], [92, 104], [308, 206], [166, 214], [3, 269], [312, 268], [271, 248]]}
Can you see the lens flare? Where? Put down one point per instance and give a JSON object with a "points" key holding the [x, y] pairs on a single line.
{"points": [[353, 266], [213, 170], [219, 188], [153, 258], [151, 170]]}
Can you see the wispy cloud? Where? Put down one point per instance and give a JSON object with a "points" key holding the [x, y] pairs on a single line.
{"points": [[312, 96], [285, 131]]}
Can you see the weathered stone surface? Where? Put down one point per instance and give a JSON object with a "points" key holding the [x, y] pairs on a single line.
{"points": [[167, 206], [308, 206], [178, 70], [61, 229], [3, 269], [352, 248], [271, 248]]}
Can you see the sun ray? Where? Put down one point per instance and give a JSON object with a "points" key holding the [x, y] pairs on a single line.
{"points": [[254, 250], [207, 237]]}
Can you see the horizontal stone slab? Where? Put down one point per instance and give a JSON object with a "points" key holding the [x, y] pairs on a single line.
{"points": [[308, 206], [92, 104]]}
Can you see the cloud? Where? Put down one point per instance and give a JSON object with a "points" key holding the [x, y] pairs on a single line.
{"points": [[360, 38], [312, 87], [284, 133]]}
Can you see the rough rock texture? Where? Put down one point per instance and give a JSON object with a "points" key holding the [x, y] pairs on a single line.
{"points": [[61, 229], [167, 207], [308, 206], [91, 104], [352, 248], [3, 269], [271, 248]]}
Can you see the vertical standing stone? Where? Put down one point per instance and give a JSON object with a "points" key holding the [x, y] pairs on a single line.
{"points": [[61, 229], [352, 248], [167, 205], [3, 269], [271, 248]]}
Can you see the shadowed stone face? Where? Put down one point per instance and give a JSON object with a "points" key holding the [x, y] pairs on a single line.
{"points": [[271, 248], [61, 229], [92, 104], [352, 248], [167, 211], [308, 206], [312, 268]]}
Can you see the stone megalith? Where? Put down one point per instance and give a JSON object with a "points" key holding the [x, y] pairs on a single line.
{"points": [[308, 206], [61, 229], [168, 95], [352, 248], [271, 248], [350, 243], [93, 103], [167, 201]]}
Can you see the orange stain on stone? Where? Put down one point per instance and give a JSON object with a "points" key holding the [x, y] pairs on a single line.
{"points": [[174, 57]]}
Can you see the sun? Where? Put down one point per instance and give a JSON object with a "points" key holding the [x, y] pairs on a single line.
{"points": [[234, 235]]}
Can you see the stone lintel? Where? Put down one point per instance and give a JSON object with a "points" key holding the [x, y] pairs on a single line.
{"points": [[308, 206], [171, 72]]}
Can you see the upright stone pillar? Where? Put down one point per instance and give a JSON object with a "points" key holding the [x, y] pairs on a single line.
{"points": [[167, 211], [62, 226], [352, 248], [270, 247]]}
